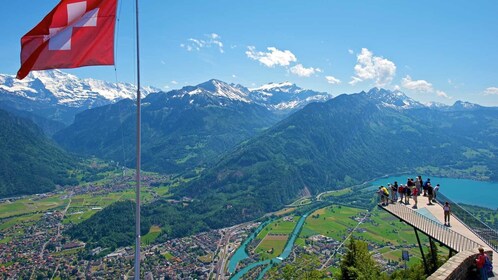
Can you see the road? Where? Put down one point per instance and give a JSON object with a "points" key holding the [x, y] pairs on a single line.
{"points": [[325, 264]]}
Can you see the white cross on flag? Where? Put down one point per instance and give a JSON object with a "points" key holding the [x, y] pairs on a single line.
{"points": [[75, 33]]}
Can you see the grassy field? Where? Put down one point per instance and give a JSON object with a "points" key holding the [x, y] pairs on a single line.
{"points": [[332, 221], [381, 229], [278, 227], [154, 232], [30, 209], [338, 193], [30, 205], [86, 205], [275, 236], [272, 246]]}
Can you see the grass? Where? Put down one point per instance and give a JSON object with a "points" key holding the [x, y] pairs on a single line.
{"points": [[275, 236], [29, 205], [68, 252], [153, 233], [278, 227], [206, 258], [284, 211], [272, 246], [168, 256], [381, 229], [338, 193], [6, 240], [332, 221], [26, 219], [81, 205]]}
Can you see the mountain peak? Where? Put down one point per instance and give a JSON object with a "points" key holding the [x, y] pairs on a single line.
{"points": [[464, 105], [215, 89], [394, 99], [286, 96]]}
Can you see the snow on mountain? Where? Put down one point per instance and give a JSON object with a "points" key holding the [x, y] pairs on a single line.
{"points": [[57, 87], [394, 99], [284, 86], [219, 88], [285, 96], [464, 105], [211, 92]]}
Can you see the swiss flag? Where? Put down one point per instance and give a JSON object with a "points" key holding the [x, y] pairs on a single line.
{"points": [[75, 33]]}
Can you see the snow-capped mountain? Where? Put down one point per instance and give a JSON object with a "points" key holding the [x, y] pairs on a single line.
{"points": [[57, 87], [212, 92], [464, 105], [58, 96], [394, 99], [285, 96]]}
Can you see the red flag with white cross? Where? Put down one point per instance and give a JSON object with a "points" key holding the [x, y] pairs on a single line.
{"points": [[75, 33]]}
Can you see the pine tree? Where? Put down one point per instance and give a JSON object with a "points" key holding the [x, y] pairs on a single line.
{"points": [[357, 263]]}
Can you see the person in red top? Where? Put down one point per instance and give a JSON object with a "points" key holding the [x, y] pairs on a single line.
{"points": [[414, 195], [480, 261]]}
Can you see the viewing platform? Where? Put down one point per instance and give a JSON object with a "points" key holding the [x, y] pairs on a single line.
{"points": [[460, 238]]}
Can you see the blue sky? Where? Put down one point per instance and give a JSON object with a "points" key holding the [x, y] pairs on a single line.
{"points": [[432, 50]]}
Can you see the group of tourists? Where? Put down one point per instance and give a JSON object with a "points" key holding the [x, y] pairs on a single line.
{"points": [[415, 188], [412, 189]]}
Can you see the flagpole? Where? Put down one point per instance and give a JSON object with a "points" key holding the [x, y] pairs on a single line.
{"points": [[137, 195]]}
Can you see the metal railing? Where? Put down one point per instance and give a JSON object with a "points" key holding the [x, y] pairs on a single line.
{"points": [[485, 232], [435, 230]]}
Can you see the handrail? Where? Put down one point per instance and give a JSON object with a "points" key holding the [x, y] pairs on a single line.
{"points": [[478, 227], [436, 230]]}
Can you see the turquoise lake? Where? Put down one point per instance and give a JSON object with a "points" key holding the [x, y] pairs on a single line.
{"points": [[466, 191]]}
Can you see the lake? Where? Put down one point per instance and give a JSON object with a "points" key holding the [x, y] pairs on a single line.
{"points": [[480, 193]]}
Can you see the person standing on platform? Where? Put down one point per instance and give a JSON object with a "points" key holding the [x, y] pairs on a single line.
{"points": [[418, 184], [436, 189], [447, 213], [415, 193], [481, 264], [430, 192], [401, 192]]}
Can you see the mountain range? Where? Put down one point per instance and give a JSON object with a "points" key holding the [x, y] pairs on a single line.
{"points": [[330, 145], [183, 129], [254, 150], [58, 96]]}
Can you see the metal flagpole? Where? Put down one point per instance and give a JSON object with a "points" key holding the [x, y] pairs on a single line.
{"points": [[137, 197]]}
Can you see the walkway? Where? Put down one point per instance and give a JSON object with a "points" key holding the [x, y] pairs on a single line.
{"points": [[429, 219]]}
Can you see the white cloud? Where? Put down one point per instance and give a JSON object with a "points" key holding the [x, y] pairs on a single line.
{"points": [[274, 56], [332, 80], [376, 68], [350, 51], [418, 85], [354, 81], [302, 71], [422, 86], [210, 40], [234, 76], [166, 87], [443, 94], [174, 82], [491, 91]]}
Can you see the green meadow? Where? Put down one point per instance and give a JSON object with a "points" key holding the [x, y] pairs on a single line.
{"points": [[273, 237], [153, 233]]}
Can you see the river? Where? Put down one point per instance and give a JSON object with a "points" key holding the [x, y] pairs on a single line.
{"points": [[237, 257]]}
